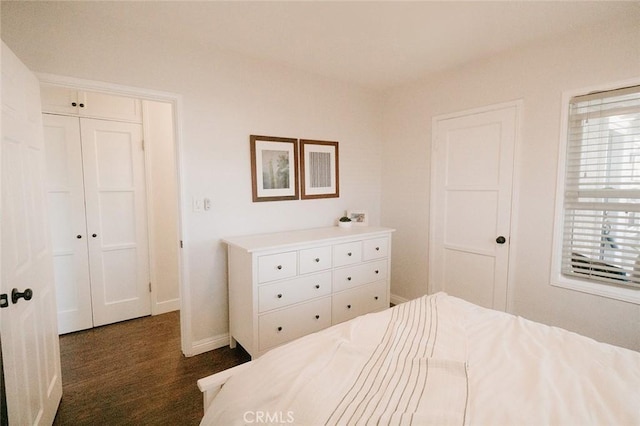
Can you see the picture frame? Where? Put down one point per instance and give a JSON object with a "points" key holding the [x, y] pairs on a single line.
{"points": [[274, 168], [319, 169], [358, 217]]}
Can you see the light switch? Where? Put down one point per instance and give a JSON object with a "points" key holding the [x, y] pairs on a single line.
{"points": [[198, 204]]}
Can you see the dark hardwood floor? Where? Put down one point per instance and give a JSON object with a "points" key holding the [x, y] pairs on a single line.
{"points": [[133, 373]]}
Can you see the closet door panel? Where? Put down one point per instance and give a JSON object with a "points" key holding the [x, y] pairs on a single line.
{"points": [[116, 219], [65, 198]]}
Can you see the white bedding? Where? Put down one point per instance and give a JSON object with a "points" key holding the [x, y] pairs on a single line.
{"points": [[436, 360]]}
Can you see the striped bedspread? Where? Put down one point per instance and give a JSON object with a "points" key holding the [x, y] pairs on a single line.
{"points": [[436, 360], [402, 382]]}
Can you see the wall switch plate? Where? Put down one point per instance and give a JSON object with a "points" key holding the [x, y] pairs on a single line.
{"points": [[207, 204], [198, 204]]}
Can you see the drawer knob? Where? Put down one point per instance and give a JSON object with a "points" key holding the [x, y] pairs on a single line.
{"points": [[73, 104], [348, 306], [377, 248], [81, 105], [279, 329], [317, 285], [377, 271], [348, 278], [375, 297], [349, 254], [279, 266], [279, 295], [317, 316], [317, 259]]}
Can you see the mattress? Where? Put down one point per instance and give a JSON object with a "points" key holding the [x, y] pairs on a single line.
{"points": [[436, 360]]}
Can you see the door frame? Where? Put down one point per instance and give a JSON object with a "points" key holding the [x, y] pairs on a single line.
{"points": [[518, 105], [176, 102]]}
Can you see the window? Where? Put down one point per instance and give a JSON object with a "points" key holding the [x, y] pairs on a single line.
{"points": [[600, 232]]}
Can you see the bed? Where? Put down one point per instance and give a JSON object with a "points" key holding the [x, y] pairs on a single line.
{"points": [[434, 360]]}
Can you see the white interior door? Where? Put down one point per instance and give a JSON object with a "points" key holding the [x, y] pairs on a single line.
{"points": [[114, 179], [30, 346], [65, 190], [472, 174]]}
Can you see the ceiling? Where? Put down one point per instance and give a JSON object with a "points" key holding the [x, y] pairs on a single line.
{"points": [[373, 44]]}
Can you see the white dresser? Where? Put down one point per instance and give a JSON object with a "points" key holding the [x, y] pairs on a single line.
{"points": [[288, 284]]}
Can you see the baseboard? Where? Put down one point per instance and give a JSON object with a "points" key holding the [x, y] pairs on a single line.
{"points": [[209, 344], [166, 306], [396, 300]]}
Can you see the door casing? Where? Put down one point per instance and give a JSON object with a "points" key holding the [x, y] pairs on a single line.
{"points": [[176, 103]]}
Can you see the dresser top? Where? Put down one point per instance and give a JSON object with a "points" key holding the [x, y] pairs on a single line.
{"points": [[277, 240]]}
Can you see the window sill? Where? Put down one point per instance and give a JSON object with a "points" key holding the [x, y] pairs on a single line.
{"points": [[624, 294]]}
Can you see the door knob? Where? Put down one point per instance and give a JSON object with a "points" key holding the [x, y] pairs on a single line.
{"points": [[501, 240], [26, 295]]}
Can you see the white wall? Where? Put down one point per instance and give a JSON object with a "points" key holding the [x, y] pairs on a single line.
{"points": [[163, 206], [537, 74], [225, 98]]}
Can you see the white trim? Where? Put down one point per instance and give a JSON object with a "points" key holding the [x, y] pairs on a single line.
{"points": [[159, 308], [556, 279], [209, 344], [397, 300], [518, 105], [176, 102]]}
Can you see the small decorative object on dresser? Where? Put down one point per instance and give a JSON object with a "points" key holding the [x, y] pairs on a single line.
{"points": [[344, 222], [358, 217], [288, 284]]}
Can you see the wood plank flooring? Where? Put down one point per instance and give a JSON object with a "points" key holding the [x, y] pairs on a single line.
{"points": [[133, 373]]}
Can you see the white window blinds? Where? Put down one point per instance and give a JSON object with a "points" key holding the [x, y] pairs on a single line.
{"points": [[601, 234]]}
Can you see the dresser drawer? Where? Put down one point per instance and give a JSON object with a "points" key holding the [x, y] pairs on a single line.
{"points": [[282, 326], [376, 248], [314, 259], [351, 303], [347, 253], [284, 293], [277, 266], [355, 276]]}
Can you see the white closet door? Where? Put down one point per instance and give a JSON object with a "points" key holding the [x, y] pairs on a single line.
{"points": [[65, 191], [116, 219]]}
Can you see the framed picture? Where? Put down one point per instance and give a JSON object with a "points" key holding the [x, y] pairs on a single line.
{"points": [[358, 217], [274, 168], [319, 169]]}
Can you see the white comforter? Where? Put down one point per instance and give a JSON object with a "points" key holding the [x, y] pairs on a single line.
{"points": [[436, 360]]}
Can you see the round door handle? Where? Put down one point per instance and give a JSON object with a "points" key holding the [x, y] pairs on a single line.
{"points": [[501, 240], [16, 295], [78, 236]]}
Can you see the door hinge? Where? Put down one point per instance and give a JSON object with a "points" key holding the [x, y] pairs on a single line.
{"points": [[181, 246], [143, 144], [149, 287]]}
